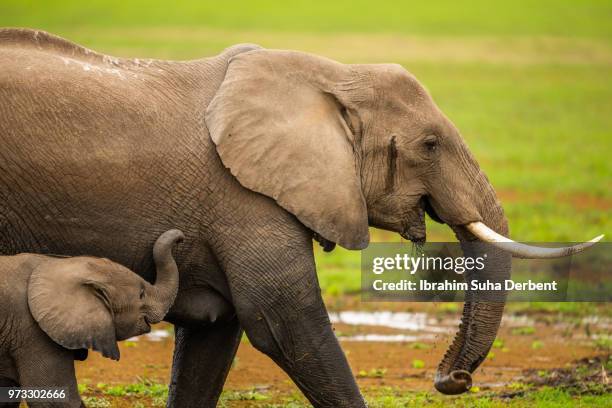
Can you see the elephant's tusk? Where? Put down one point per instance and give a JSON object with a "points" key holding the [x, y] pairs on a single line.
{"points": [[519, 250]]}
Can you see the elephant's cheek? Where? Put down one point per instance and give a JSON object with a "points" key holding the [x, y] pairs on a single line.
{"points": [[130, 326]]}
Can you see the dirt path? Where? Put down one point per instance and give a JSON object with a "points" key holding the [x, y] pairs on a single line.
{"points": [[404, 358]]}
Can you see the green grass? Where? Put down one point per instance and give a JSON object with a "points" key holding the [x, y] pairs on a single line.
{"points": [[144, 388], [96, 402], [144, 392], [244, 395], [546, 397], [388, 397], [550, 17], [543, 398]]}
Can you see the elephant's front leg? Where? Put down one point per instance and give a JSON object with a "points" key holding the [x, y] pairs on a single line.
{"points": [[278, 301], [8, 374], [44, 364], [8, 382]]}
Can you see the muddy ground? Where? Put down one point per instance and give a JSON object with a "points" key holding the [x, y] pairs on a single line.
{"points": [[386, 347]]}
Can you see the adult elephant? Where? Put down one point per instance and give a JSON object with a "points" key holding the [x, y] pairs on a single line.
{"points": [[100, 155]]}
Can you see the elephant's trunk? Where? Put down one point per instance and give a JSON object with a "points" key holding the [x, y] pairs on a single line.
{"points": [[470, 347], [482, 312], [160, 296], [456, 382]]}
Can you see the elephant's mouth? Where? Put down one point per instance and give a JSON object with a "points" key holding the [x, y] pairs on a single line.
{"points": [[418, 239], [147, 325], [414, 230], [327, 245], [426, 203]]}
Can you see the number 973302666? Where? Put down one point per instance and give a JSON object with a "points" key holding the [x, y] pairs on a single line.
{"points": [[12, 394]]}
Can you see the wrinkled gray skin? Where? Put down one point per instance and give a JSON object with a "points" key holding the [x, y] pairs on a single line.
{"points": [[251, 153], [52, 309]]}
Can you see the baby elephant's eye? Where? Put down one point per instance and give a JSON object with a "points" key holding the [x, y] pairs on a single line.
{"points": [[431, 143]]}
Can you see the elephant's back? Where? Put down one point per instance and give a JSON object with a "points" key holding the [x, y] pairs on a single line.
{"points": [[94, 150], [100, 156], [21, 43], [24, 38]]}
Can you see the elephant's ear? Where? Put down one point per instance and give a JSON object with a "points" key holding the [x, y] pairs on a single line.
{"points": [[68, 300], [279, 121]]}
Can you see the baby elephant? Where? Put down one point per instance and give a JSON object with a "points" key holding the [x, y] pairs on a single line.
{"points": [[52, 306]]}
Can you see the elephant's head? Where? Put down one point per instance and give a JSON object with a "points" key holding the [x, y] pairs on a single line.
{"points": [[347, 146], [86, 302]]}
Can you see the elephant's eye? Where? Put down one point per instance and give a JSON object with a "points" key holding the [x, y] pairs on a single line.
{"points": [[431, 143]]}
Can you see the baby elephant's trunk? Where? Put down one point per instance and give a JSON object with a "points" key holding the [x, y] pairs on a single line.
{"points": [[160, 296]]}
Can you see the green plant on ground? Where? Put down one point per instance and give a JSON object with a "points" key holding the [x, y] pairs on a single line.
{"points": [[419, 346], [243, 395], [96, 402], [418, 364], [523, 331], [373, 373]]}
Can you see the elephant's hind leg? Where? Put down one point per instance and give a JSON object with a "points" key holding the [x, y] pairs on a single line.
{"points": [[202, 359]]}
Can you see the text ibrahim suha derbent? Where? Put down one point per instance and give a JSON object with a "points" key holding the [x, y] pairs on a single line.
{"points": [[412, 264]]}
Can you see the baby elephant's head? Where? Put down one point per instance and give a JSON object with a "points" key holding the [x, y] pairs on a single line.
{"points": [[86, 302]]}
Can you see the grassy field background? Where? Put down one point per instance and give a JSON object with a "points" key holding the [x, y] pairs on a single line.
{"points": [[529, 84]]}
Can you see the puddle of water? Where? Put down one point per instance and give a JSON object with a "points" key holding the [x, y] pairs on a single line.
{"points": [[515, 321], [509, 369], [157, 335], [421, 326], [494, 385], [154, 335], [595, 323], [386, 338], [598, 321], [396, 320]]}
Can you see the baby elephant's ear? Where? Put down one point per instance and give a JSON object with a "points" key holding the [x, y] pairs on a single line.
{"points": [[68, 300]]}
